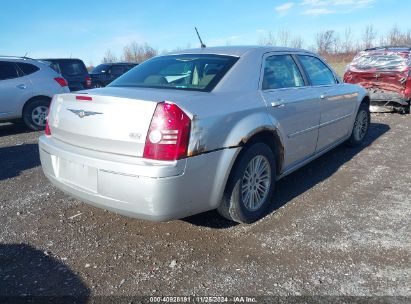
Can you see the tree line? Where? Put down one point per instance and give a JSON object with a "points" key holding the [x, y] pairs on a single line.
{"points": [[326, 43]]}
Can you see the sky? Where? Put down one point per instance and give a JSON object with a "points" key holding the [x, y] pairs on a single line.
{"points": [[87, 29]]}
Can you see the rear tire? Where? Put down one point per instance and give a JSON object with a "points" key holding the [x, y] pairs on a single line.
{"points": [[361, 126], [35, 113], [98, 85], [250, 186]]}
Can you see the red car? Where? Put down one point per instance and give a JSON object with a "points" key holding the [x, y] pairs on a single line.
{"points": [[386, 73]]}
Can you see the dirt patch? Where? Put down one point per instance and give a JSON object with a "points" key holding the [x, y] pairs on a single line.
{"points": [[339, 226]]}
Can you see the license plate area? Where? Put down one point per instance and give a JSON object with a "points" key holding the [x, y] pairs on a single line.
{"points": [[79, 175]]}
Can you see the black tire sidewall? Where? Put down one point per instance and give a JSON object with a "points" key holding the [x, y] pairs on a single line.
{"points": [[28, 109], [237, 209], [353, 141]]}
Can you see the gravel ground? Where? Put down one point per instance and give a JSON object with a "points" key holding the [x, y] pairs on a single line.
{"points": [[338, 227]]}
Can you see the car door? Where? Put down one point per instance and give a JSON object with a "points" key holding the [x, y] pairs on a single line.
{"points": [[337, 105], [292, 104], [15, 89]]}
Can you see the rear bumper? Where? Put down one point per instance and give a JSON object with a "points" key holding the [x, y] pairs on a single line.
{"points": [[134, 187], [381, 97]]}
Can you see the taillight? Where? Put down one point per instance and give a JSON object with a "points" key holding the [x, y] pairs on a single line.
{"points": [[168, 135], [47, 130], [88, 81], [61, 81], [81, 97]]}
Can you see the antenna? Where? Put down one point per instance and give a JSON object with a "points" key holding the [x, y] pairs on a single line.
{"points": [[203, 46]]}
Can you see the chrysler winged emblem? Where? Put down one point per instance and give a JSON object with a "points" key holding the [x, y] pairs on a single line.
{"points": [[82, 113]]}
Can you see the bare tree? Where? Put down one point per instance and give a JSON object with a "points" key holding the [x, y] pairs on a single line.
{"points": [[284, 37], [109, 57], [268, 39], [369, 36], [397, 38], [347, 44], [135, 52], [297, 42], [325, 42]]}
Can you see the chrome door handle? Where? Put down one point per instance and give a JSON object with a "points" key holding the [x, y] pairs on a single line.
{"points": [[277, 104], [22, 86], [323, 96]]}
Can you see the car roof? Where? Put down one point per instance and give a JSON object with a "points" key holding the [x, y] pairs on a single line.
{"points": [[120, 63], [237, 51], [61, 59], [390, 48]]}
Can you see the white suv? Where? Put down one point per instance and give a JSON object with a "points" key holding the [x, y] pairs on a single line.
{"points": [[26, 89]]}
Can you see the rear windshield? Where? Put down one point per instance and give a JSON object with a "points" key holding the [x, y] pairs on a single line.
{"points": [[181, 72], [102, 68], [68, 67], [381, 61]]}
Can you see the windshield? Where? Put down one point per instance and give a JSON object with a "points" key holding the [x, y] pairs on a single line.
{"points": [[102, 68], [381, 61], [181, 72]]}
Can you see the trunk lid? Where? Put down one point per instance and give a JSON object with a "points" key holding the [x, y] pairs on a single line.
{"points": [[115, 120]]}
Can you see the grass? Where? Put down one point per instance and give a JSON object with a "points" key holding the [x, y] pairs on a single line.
{"points": [[339, 67]]}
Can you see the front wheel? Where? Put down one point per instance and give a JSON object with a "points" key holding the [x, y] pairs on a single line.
{"points": [[361, 126], [250, 186]]}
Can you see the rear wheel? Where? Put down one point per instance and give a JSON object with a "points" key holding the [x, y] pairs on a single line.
{"points": [[98, 85], [35, 114], [361, 126], [250, 186]]}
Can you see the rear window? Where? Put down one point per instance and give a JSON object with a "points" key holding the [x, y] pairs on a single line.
{"points": [[381, 61], [181, 72], [102, 68], [27, 68], [68, 67]]}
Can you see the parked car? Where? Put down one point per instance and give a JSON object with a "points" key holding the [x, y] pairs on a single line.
{"points": [[26, 89], [73, 70], [105, 73], [386, 73], [201, 129]]}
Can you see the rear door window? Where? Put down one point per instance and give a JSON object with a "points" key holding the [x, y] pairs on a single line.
{"points": [[280, 71], [317, 71], [8, 70]]}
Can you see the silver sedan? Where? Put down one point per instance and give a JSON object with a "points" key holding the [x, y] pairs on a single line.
{"points": [[202, 129]]}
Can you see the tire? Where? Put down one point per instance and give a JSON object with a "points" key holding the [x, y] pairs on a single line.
{"points": [[35, 113], [239, 204], [98, 85], [361, 126], [407, 108]]}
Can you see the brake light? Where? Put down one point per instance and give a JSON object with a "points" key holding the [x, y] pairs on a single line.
{"points": [[61, 81], [88, 81], [84, 98], [47, 130], [168, 135]]}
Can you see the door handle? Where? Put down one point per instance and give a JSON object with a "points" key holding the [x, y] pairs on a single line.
{"points": [[22, 86], [323, 96], [278, 104]]}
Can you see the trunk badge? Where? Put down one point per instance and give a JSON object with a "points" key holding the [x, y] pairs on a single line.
{"points": [[82, 113]]}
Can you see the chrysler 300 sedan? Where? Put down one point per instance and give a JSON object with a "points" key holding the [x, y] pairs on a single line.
{"points": [[202, 129]]}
